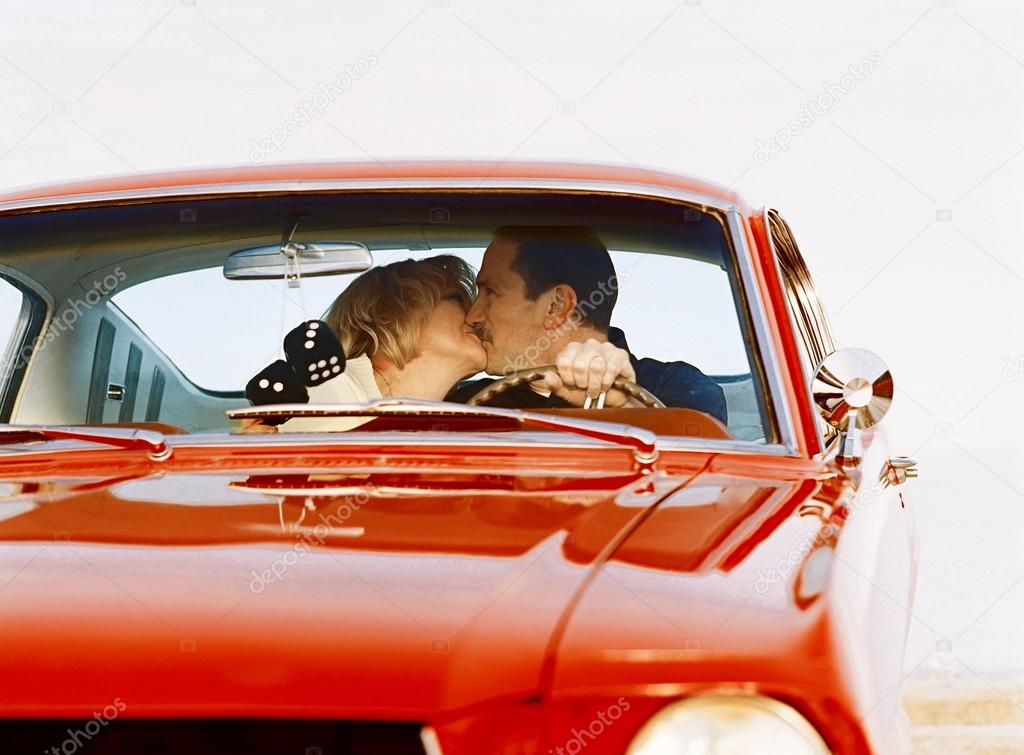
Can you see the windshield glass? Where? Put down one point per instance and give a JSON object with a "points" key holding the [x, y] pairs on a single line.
{"points": [[462, 289]]}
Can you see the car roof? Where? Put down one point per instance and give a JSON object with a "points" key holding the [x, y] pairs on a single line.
{"points": [[234, 179]]}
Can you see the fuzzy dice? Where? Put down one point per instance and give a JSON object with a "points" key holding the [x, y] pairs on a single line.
{"points": [[313, 356], [314, 352]]}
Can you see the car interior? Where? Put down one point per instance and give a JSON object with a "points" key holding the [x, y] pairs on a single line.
{"points": [[104, 291]]}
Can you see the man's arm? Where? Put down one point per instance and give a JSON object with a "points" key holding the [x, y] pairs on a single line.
{"points": [[683, 385], [589, 367], [586, 368]]}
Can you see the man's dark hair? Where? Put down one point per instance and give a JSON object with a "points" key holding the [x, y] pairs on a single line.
{"points": [[571, 255]]}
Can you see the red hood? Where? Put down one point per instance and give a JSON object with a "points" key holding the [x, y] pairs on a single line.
{"points": [[397, 594], [747, 619]]}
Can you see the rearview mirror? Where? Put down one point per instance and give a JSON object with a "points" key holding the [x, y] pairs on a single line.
{"points": [[295, 260]]}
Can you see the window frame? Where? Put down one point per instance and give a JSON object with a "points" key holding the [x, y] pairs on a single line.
{"points": [[781, 420], [29, 324]]}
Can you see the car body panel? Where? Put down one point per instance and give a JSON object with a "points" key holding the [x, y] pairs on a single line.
{"points": [[502, 590], [305, 177]]}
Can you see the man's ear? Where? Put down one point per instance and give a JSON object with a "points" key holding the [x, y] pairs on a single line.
{"points": [[561, 304]]}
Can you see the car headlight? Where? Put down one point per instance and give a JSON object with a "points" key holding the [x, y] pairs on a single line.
{"points": [[727, 725]]}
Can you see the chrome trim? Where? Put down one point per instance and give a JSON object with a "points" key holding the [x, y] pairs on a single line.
{"points": [[391, 491], [536, 440], [792, 324], [539, 440], [705, 202], [766, 349], [643, 442], [897, 470], [151, 441], [211, 191]]}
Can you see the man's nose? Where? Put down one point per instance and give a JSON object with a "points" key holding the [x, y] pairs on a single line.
{"points": [[475, 315]]}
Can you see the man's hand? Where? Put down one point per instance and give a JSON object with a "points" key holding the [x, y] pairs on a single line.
{"points": [[589, 369]]}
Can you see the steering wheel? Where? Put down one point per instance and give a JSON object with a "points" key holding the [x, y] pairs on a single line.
{"points": [[531, 374]]}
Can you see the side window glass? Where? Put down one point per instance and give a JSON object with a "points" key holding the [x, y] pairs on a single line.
{"points": [[11, 302], [18, 315]]}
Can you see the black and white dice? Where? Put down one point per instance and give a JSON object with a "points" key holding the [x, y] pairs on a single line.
{"points": [[313, 356], [314, 352], [276, 384]]}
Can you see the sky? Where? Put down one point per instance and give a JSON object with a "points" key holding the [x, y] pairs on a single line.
{"points": [[889, 134]]}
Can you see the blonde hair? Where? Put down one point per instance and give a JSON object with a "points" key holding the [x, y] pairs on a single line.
{"points": [[384, 309]]}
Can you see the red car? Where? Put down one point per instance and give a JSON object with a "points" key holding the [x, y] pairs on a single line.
{"points": [[435, 577]]}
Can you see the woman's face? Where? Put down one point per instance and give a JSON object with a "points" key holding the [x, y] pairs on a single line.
{"points": [[446, 335]]}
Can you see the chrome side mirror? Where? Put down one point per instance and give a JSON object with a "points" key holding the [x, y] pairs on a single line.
{"points": [[852, 389]]}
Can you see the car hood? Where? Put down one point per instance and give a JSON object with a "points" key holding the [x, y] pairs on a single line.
{"points": [[666, 613], [391, 594]]}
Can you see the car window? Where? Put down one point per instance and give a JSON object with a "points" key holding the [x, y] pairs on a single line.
{"points": [[180, 342], [11, 300], [230, 329], [16, 331], [224, 331], [669, 308]]}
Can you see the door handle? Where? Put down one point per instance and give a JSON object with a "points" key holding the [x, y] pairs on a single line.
{"points": [[897, 470]]}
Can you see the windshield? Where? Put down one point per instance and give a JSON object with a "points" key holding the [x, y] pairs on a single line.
{"points": [[463, 290]]}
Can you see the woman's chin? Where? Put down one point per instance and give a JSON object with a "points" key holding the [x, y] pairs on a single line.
{"points": [[477, 358]]}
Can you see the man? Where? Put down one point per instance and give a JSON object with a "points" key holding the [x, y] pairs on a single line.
{"points": [[546, 296]]}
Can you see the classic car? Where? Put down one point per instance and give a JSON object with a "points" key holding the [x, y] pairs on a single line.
{"points": [[436, 577]]}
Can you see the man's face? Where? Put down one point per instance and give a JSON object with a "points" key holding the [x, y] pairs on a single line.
{"points": [[510, 325]]}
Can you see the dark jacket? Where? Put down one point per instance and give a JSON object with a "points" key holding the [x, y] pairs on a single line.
{"points": [[675, 383]]}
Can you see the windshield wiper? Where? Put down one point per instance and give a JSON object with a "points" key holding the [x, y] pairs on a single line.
{"points": [[643, 442], [150, 441]]}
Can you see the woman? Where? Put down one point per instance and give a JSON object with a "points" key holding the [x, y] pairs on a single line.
{"points": [[409, 320], [403, 330]]}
